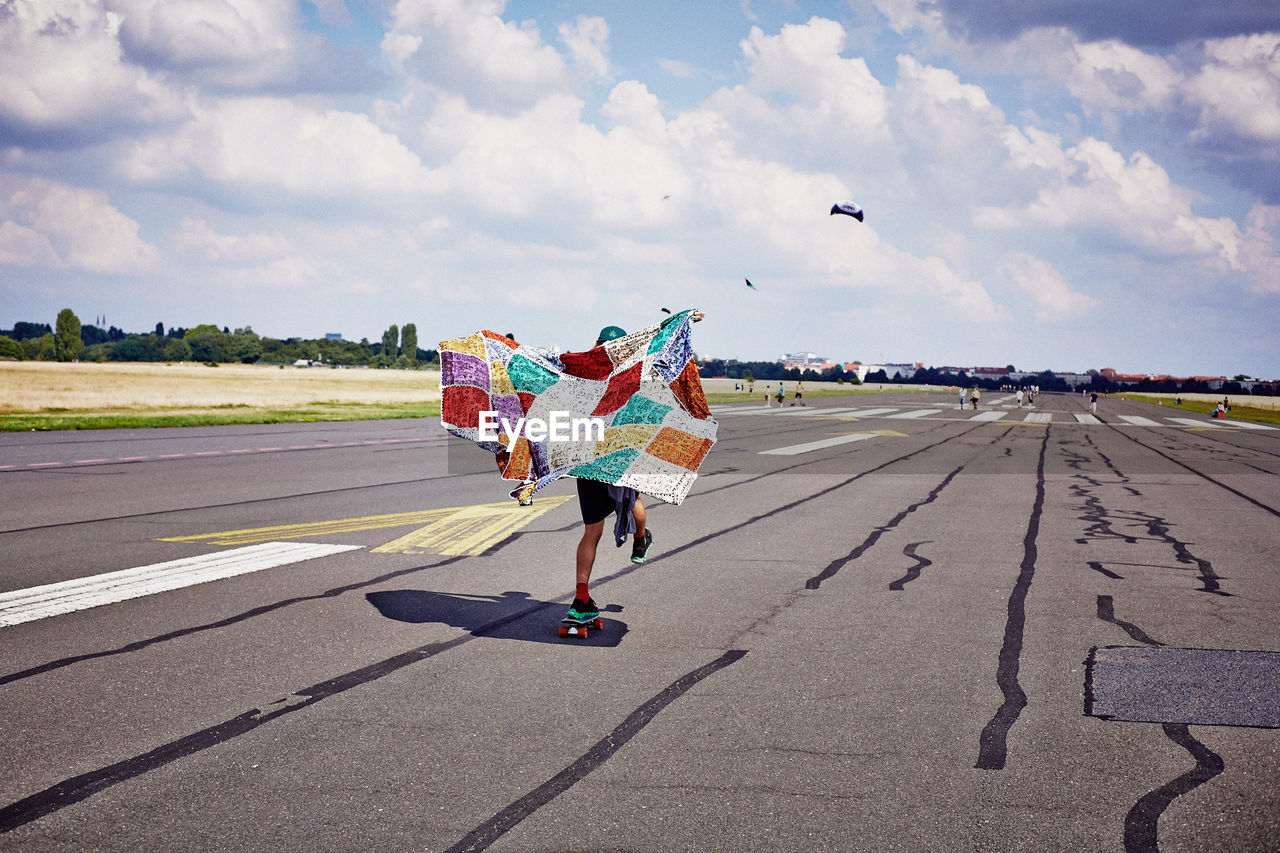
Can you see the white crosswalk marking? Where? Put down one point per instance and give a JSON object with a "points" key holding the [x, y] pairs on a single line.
{"points": [[918, 413], [1247, 424], [1219, 422], [1039, 418], [39, 602], [869, 413], [808, 446], [988, 416], [809, 411], [1085, 418], [1140, 421]]}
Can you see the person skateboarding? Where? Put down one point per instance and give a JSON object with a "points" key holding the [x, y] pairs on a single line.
{"points": [[597, 501]]}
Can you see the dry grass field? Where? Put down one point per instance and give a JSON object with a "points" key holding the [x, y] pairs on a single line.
{"points": [[52, 395], [36, 386], [49, 395]]}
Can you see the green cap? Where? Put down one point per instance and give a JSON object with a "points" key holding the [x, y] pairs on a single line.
{"points": [[610, 333]]}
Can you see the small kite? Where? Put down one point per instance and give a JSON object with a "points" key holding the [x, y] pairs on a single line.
{"points": [[749, 284], [644, 387], [848, 208]]}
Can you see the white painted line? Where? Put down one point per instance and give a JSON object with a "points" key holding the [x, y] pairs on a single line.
{"points": [[1038, 418], [747, 410], [918, 413], [39, 602], [1138, 421], [988, 416], [796, 449], [813, 412], [1248, 424], [1084, 418], [1219, 422], [869, 413]]}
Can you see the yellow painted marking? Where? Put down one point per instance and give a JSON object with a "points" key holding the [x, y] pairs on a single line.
{"points": [[1210, 429], [452, 530], [315, 528], [470, 531], [872, 432]]}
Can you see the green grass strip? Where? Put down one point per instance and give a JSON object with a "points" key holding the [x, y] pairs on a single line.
{"points": [[124, 419], [1237, 411]]}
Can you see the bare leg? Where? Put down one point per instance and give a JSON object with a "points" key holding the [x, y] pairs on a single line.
{"points": [[638, 514], [587, 550]]}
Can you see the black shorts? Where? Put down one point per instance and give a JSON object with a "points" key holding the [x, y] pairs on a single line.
{"points": [[594, 501]]}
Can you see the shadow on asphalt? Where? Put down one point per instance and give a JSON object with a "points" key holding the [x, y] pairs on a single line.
{"points": [[509, 616]]}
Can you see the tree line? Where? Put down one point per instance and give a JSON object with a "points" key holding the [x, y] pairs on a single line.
{"points": [[763, 371], [70, 340]]}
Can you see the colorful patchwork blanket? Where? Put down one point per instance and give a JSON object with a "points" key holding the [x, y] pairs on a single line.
{"points": [[629, 412]]}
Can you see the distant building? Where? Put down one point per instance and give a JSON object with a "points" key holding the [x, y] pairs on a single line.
{"points": [[333, 336], [903, 370], [805, 361]]}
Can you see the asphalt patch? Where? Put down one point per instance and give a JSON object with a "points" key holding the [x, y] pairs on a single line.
{"points": [[1205, 687]]}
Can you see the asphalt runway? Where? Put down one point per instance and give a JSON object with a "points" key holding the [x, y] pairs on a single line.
{"points": [[877, 623]]}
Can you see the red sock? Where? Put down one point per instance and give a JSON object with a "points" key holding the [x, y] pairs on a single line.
{"points": [[582, 592]]}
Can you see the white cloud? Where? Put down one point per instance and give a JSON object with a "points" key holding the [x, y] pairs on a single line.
{"points": [[1260, 249], [472, 51], [1054, 300], [1238, 88], [588, 43], [1119, 203], [240, 45], [1115, 76], [822, 98], [26, 247], [197, 237], [44, 222], [273, 144], [62, 73]]}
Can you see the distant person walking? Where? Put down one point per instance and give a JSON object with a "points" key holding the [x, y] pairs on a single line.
{"points": [[973, 397], [1093, 402], [781, 394], [799, 400], [1019, 398], [961, 390]]}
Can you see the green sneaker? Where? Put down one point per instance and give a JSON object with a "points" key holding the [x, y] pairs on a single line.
{"points": [[640, 549], [582, 611]]}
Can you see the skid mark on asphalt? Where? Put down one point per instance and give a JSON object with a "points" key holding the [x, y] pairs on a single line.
{"points": [[221, 623], [1257, 503], [874, 537], [1100, 525], [914, 571], [83, 786], [1107, 613], [1141, 824], [491, 830], [993, 742]]}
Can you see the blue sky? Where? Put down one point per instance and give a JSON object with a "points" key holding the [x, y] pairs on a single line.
{"points": [[1063, 184]]}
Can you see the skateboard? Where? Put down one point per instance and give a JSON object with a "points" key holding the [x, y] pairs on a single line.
{"points": [[574, 628]]}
